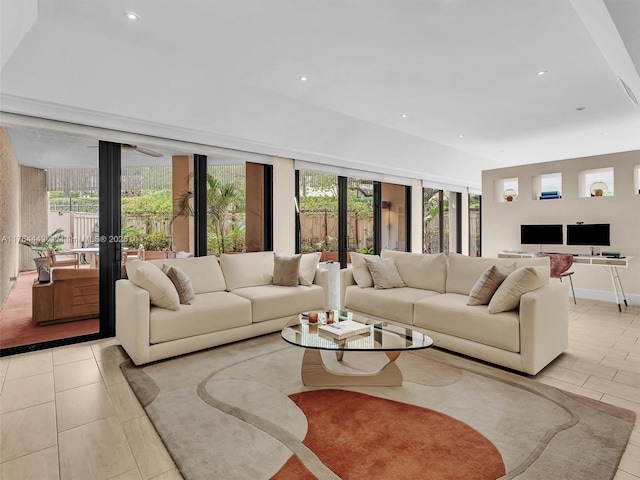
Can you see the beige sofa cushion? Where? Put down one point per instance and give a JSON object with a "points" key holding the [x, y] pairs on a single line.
{"points": [[273, 301], [383, 272], [207, 313], [360, 271], [162, 293], [449, 313], [523, 280], [308, 267], [488, 283], [425, 271], [464, 271], [392, 304], [247, 269], [204, 272], [286, 270]]}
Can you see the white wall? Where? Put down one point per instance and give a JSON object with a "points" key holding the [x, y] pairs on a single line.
{"points": [[501, 220]]}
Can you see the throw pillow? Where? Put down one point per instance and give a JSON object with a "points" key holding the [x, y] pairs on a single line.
{"points": [[162, 293], [521, 281], [308, 266], [182, 282], [383, 272], [488, 283], [361, 273], [286, 269]]}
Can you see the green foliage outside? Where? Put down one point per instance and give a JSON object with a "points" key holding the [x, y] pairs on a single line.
{"points": [[43, 245], [153, 206]]}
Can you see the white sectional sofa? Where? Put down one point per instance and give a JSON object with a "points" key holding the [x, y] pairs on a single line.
{"points": [[234, 299], [434, 301]]}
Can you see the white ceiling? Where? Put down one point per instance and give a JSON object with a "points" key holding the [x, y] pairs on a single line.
{"points": [[227, 72]]}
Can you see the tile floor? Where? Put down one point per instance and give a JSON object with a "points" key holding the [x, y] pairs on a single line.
{"points": [[69, 413]]}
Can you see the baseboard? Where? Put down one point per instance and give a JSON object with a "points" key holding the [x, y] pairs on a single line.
{"points": [[604, 296]]}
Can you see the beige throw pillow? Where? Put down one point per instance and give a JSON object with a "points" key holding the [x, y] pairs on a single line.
{"points": [[488, 283], [182, 282], [361, 273], [162, 293], [286, 269], [383, 272], [521, 281], [308, 266]]}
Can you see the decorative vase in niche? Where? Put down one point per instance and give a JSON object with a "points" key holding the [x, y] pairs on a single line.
{"points": [[598, 188], [510, 195]]}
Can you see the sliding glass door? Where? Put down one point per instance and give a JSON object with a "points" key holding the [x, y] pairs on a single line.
{"points": [[49, 280], [340, 215]]}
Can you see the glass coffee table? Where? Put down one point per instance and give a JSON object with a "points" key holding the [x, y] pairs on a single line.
{"points": [[377, 336]]}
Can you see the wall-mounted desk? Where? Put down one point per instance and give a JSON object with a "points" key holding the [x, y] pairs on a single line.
{"points": [[609, 264]]}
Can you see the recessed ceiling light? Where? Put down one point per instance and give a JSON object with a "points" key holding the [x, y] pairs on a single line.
{"points": [[542, 72], [132, 15], [605, 133], [403, 115], [303, 78], [460, 136]]}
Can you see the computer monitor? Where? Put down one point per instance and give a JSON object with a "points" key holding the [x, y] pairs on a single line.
{"points": [[541, 234], [589, 234]]}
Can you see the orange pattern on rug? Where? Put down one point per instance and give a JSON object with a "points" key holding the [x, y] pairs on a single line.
{"points": [[359, 436], [16, 327]]}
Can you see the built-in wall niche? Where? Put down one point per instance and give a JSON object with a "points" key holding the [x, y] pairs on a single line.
{"points": [[547, 186], [596, 183], [505, 190]]}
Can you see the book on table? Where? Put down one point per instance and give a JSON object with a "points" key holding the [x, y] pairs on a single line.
{"points": [[344, 329]]}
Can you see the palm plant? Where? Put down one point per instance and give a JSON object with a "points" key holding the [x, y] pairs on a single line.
{"points": [[43, 246], [223, 200]]}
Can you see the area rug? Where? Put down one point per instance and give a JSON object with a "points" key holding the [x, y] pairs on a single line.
{"points": [[240, 411]]}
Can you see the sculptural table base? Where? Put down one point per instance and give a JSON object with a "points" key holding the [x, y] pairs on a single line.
{"points": [[316, 374]]}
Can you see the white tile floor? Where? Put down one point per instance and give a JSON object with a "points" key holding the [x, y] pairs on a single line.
{"points": [[69, 413]]}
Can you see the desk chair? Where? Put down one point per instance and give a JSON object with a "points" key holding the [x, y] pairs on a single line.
{"points": [[560, 264]]}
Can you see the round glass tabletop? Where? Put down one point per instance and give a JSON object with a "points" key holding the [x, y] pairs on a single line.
{"points": [[353, 332]]}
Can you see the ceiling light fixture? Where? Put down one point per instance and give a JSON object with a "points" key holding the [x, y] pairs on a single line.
{"points": [[303, 78], [542, 72], [132, 16], [460, 136], [403, 115], [579, 109]]}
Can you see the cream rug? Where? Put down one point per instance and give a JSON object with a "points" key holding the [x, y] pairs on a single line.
{"points": [[225, 413]]}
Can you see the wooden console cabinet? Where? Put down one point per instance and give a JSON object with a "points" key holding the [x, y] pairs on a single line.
{"points": [[73, 294]]}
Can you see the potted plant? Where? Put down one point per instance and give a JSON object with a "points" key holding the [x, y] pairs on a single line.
{"points": [[43, 246]]}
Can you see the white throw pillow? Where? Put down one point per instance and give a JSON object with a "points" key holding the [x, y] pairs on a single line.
{"points": [[488, 283], [162, 292], [308, 266], [521, 281], [361, 273], [383, 272]]}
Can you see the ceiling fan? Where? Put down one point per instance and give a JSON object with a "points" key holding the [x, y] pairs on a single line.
{"points": [[134, 148]]}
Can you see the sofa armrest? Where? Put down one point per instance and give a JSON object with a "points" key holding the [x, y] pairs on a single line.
{"points": [[544, 326], [346, 280], [322, 279], [132, 320]]}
